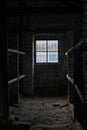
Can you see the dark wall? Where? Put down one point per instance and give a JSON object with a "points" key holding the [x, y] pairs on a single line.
{"points": [[27, 64], [50, 79], [70, 63], [29, 25], [85, 63]]}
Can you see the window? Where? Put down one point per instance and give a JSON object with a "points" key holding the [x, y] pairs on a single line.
{"points": [[46, 51]]}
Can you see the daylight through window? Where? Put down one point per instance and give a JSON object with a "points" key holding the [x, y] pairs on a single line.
{"points": [[46, 51]]}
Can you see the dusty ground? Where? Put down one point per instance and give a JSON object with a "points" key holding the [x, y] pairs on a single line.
{"points": [[44, 113]]}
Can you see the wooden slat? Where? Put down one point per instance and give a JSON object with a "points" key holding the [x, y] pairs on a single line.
{"points": [[71, 49], [4, 106], [79, 44], [74, 47], [42, 10], [15, 79], [16, 51], [76, 87]]}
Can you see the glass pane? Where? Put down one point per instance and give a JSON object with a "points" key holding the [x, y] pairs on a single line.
{"points": [[53, 45], [40, 45], [52, 56], [40, 57]]}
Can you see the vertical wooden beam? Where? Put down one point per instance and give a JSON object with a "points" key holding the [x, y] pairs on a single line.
{"points": [[78, 73], [85, 61], [18, 67], [21, 48], [4, 111], [3, 69]]}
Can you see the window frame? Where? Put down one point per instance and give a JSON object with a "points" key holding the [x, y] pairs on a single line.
{"points": [[46, 51]]}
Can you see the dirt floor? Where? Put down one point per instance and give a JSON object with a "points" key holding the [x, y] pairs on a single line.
{"points": [[44, 113]]}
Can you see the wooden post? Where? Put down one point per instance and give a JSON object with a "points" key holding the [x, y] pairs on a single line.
{"points": [[4, 111]]}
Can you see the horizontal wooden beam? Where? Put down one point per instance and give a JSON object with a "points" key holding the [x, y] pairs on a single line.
{"points": [[40, 10], [16, 51], [75, 47], [71, 80], [70, 50], [79, 44], [16, 79]]}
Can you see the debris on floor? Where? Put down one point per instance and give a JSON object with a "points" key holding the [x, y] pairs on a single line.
{"points": [[43, 113], [56, 104]]}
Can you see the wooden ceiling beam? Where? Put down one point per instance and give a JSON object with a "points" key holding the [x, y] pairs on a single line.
{"points": [[40, 10]]}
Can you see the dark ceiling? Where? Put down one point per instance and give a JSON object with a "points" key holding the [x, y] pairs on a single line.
{"points": [[42, 7], [55, 3], [48, 7]]}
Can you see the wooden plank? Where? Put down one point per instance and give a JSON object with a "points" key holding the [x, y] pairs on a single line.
{"points": [[42, 10], [21, 77], [4, 106], [76, 87], [70, 50], [79, 44], [16, 79], [16, 51], [74, 47]]}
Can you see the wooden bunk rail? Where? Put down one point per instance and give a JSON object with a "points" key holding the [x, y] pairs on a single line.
{"points": [[12, 81], [79, 93], [71, 80], [16, 79], [71, 49], [79, 44], [16, 51], [22, 76], [74, 47]]}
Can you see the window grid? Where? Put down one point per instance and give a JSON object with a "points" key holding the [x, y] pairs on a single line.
{"points": [[47, 53]]}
